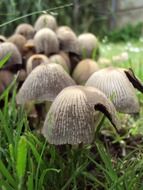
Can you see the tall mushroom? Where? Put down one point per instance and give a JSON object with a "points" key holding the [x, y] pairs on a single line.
{"points": [[70, 119], [118, 84]]}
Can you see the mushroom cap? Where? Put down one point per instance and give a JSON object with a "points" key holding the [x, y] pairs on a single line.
{"points": [[29, 49], [9, 48], [84, 70], [66, 57], [88, 43], [59, 59], [19, 41], [67, 39], [46, 41], [2, 39], [70, 119], [116, 85], [45, 21], [34, 61], [25, 30], [44, 83], [6, 78]]}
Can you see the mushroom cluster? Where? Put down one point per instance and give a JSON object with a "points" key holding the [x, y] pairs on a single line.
{"points": [[53, 64]]}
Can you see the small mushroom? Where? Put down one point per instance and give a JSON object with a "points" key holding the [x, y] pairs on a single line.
{"points": [[15, 61], [45, 21], [118, 84], [44, 83], [29, 49], [84, 70], [59, 59], [70, 119], [46, 42], [25, 30], [19, 41], [34, 61], [2, 39], [89, 45]]}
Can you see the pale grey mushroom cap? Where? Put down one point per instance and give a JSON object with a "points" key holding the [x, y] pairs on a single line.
{"points": [[10, 48], [116, 85], [88, 43], [25, 30], [34, 61], [67, 39], [84, 70], [46, 41], [70, 119], [44, 83], [45, 21]]}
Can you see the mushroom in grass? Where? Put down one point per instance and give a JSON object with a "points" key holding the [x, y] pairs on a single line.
{"points": [[15, 61], [118, 84], [44, 83], [25, 30], [71, 118], [34, 61], [59, 59], [89, 45], [45, 21], [46, 42], [84, 70], [29, 49], [19, 41]]}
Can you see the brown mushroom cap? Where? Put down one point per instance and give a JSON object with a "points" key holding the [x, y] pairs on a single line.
{"points": [[46, 41], [116, 85], [19, 41], [88, 43], [59, 59], [6, 78], [84, 70], [45, 21], [44, 83], [67, 39], [34, 61], [15, 58], [25, 30], [29, 49], [70, 119]]}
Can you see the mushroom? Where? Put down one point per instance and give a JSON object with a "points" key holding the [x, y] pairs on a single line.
{"points": [[84, 70], [29, 49], [25, 30], [89, 45], [59, 59], [19, 41], [118, 84], [34, 61], [46, 42], [70, 119], [44, 83], [15, 61], [45, 21], [69, 43]]}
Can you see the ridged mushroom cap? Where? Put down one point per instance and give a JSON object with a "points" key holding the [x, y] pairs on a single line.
{"points": [[84, 70], [15, 58], [117, 84], [59, 59], [19, 41], [44, 83], [6, 78], [67, 39], [45, 21], [34, 61], [70, 119], [2, 39], [25, 30], [88, 44], [46, 41]]}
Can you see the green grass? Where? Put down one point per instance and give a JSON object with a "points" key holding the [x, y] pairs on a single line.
{"points": [[28, 162]]}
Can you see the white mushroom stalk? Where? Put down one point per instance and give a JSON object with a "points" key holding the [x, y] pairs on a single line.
{"points": [[71, 118]]}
